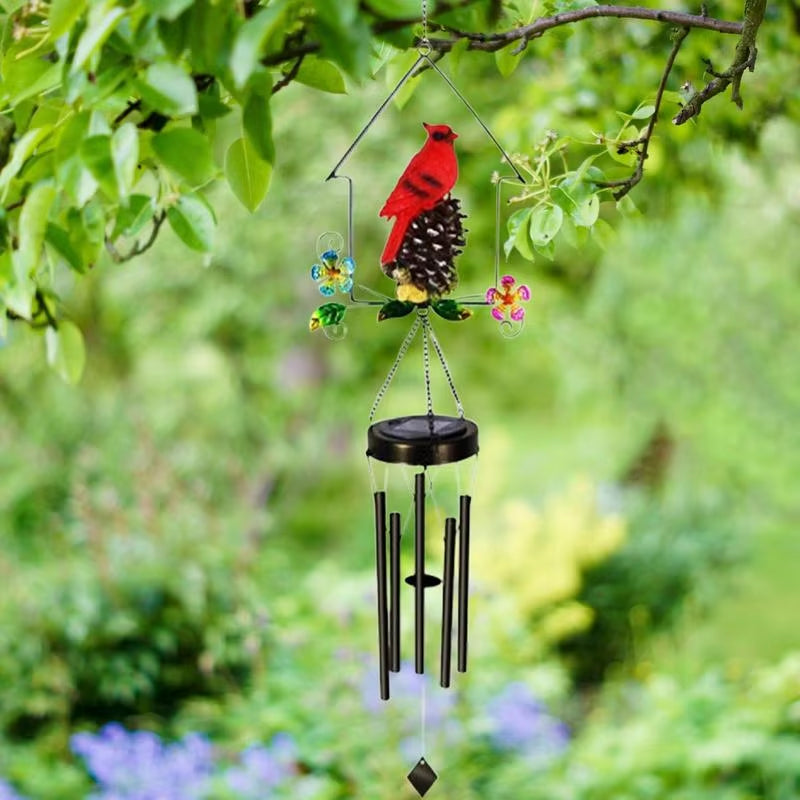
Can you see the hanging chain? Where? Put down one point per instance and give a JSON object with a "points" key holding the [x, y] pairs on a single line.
{"points": [[426, 359], [424, 46], [450, 382], [400, 355]]}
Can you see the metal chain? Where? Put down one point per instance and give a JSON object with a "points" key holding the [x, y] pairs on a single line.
{"points": [[424, 47], [450, 382], [426, 359], [400, 355]]}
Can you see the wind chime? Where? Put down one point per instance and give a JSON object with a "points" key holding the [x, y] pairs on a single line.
{"points": [[419, 256]]}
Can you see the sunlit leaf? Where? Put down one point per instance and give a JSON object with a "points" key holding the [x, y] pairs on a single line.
{"points": [[187, 153], [193, 222], [247, 173], [168, 89], [66, 351]]}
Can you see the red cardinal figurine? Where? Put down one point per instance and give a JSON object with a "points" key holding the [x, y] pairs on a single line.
{"points": [[429, 176]]}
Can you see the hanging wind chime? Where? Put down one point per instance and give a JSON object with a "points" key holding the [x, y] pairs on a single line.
{"points": [[419, 256]]}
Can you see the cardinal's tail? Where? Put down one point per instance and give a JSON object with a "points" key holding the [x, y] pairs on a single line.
{"points": [[395, 238]]}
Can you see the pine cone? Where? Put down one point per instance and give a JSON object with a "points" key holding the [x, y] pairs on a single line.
{"points": [[424, 268]]}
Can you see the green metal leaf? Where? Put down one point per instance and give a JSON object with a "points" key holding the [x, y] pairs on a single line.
{"points": [[394, 309], [451, 310], [327, 314]]}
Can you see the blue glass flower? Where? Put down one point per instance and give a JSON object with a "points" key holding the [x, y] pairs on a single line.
{"points": [[333, 274]]}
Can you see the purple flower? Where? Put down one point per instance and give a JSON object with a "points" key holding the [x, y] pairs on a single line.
{"points": [[7, 792], [519, 721], [137, 765], [264, 768]]}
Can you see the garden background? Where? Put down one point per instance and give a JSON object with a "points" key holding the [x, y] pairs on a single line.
{"points": [[186, 555]]}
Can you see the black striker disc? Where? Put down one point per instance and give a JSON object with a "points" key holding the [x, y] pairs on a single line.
{"points": [[423, 440]]}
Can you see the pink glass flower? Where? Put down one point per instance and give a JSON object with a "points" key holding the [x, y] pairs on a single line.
{"points": [[507, 299]]}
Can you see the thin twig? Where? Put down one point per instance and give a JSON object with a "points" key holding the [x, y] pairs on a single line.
{"points": [[138, 248], [642, 144], [289, 76]]}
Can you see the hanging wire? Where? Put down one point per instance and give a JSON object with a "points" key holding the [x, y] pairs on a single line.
{"points": [[400, 355]]}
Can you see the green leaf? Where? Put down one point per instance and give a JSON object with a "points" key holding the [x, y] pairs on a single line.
{"points": [[507, 61], [125, 155], [247, 174], [187, 153], [644, 112], [585, 213], [66, 351], [321, 74], [33, 225], [345, 35], [167, 9], [399, 9], [396, 69], [22, 152], [59, 240], [394, 309], [518, 234], [253, 39], [257, 123], [96, 155], [133, 217], [95, 35], [26, 77], [64, 14], [327, 314], [546, 222], [451, 310], [168, 89], [193, 222]]}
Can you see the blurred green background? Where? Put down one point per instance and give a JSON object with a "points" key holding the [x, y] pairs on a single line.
{"points": [[186, 536]]}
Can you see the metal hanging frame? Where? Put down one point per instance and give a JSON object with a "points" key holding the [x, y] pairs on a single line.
{"points": [[423, 62]]}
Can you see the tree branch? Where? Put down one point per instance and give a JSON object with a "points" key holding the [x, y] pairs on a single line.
{"points": [[642, 144], [496, 41], [744, 59], [138, 248], [289, 76]]}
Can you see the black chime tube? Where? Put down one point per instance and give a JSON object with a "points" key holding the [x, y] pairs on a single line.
{"points": [[447, 599], [419, 572], [394, 590], [463, 580], [380, 563]]}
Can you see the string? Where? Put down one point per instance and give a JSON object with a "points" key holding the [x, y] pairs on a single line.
{"points": [[423, 716]]}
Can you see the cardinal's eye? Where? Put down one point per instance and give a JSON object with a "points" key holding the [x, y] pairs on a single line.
{"points": [[439, 136]]}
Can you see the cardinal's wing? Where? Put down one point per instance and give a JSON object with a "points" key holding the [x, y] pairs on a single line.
{"points": [[416, 189]]}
